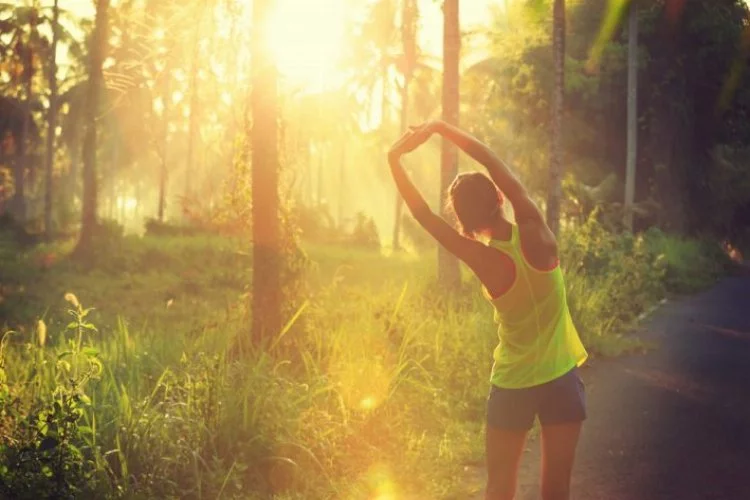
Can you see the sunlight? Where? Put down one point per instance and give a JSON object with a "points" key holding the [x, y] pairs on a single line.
{"points": [[127, 203], [368, 403], [384, 488], [306, 38]]}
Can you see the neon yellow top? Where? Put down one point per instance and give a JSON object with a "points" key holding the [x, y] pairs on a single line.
{"points": [[538, 340]]}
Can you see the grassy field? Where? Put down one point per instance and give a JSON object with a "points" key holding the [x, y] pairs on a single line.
{"points": [[375, 389]]}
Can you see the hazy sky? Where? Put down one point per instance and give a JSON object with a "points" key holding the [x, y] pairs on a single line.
{"points": [[472, 11]]}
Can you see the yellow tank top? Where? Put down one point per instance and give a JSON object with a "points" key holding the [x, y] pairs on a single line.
{"points": [[538, 340]]}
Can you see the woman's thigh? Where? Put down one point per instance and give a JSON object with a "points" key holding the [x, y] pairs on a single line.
{"points": [[504, 449], [510, 415]]}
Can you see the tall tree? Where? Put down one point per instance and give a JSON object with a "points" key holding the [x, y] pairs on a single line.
{"points": [[554, 194], [448, 271], [194, 102], [51, 123], [98, 52], [266, 296], [407, 64], [164, 148], [26, 45], [632, 114]]}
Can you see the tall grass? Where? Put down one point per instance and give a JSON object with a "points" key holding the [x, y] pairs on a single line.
{"points": [[375, 389]]}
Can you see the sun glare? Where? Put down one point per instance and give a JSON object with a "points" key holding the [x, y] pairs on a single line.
{"points": [[306, 38]]}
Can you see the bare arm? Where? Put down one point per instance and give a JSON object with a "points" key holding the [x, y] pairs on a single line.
{"points": [[523, 206], [466, 249]]}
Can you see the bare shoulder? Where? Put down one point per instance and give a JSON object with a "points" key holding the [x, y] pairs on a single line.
{"points": [[495, 269], [538, 243]]}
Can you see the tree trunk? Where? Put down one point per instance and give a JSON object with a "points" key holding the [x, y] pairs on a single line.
{"points": [[342, 185], [114, 169], [22, 162], [96, 80], [319, 176], [399, 200], [266, 296], [556, 152], [448, 271], [409, 20], [194, 112], [163, 171], [632, 115], [51, 125]]}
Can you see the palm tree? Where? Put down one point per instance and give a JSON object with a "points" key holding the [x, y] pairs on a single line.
{"points": [[556, 153], [51, 122], [194, 102], [21, 51], [96, 81], [448, 272], [266, 296], [407, 65], [164, 150], [632, 114]]}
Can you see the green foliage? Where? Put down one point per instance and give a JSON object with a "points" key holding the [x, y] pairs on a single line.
{"points": [[693, 132], [155, 227], [376, 385], [48, 449], [691, 265], [316, 224], [611, 279]]}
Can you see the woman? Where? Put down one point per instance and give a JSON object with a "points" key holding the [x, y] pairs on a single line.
{"points": [[534, 371]]}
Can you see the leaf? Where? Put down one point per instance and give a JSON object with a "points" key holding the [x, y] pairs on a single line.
{"points": [[64, 354], [48, 443], [90, 351], [85, 399]]}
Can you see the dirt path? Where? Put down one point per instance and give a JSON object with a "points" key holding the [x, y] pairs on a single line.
{"points": [[674, 423]]}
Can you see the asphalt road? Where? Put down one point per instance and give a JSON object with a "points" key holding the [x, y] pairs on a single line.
{"points": [[673, 423]]}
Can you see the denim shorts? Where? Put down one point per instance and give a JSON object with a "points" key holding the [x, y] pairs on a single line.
{"points": [[560, 401]]}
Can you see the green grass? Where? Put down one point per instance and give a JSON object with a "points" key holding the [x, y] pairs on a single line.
{"points": [[376, 388]]}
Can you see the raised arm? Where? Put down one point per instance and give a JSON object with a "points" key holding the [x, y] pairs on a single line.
{"points": [[524, 207], [466, 249]]}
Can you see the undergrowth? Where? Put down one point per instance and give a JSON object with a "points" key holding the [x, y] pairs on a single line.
{"points": [[374, 388]]}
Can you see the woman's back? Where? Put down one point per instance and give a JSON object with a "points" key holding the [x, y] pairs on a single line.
{"points": [[538, 341]]}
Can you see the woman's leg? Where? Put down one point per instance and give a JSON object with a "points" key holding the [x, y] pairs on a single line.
{"points": [[504, 449], [561, 414], [559, 443]]}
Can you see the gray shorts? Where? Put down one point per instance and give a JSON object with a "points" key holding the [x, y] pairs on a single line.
{"points": [[560, 401]]}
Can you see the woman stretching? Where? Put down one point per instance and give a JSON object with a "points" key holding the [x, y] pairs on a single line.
{"points": [[534, 371]]}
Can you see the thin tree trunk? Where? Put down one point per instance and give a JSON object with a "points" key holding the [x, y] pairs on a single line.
{"points": [[399, 199], [194, 111], [22, 157], [384, 97], [113, 171], [448, 271], [556, 152], [342, 184], [266, 296], [409, 23], [51, 125], [319, 177], [96, 80], [632, 115], [163, 172]]}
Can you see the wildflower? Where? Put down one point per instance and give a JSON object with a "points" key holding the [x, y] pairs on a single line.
{"points": [[41, 332], [70, 297]]}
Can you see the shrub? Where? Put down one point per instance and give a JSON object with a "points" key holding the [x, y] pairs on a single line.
{"points": [[611, 278]]}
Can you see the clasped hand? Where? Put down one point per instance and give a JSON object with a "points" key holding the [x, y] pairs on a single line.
{"points": [[413, 138]]}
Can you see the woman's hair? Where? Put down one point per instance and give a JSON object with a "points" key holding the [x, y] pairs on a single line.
{"points": [[475, 200]]}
